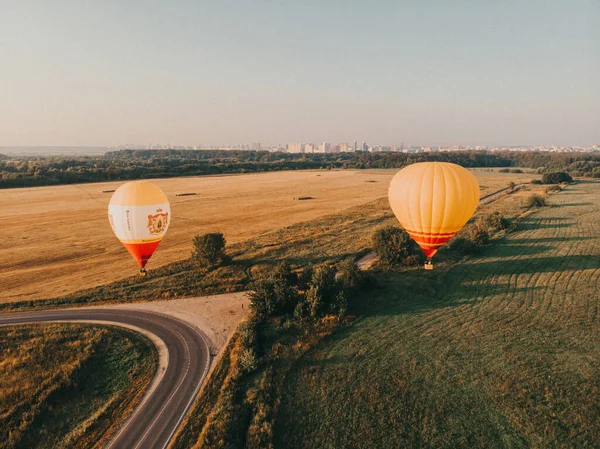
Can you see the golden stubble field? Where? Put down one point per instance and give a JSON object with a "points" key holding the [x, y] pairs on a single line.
{"points": [[57, 239]]}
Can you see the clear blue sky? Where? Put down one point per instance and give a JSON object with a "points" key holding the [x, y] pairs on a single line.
{"points": [[274, 71]]}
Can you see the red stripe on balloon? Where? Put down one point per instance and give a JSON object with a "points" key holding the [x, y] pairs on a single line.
{"points": [[141, 252], [430, 244]]}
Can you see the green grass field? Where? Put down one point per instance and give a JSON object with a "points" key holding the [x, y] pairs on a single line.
{"points": [[69, 385], [501, 350]]}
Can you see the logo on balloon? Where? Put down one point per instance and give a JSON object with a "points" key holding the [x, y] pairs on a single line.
{"points": [[158, 223]]}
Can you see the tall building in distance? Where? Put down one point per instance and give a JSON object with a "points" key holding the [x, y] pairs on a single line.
{"points": [[256, 146], [355, 147], [343, 147], [324, 147], [309, 148], [364, 147], [295, 147]]}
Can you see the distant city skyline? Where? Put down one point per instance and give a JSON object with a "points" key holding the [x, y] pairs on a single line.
{"points": [[227, 72], [296, 147]]}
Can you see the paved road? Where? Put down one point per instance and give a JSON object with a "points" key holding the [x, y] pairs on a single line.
{"points": [[153, 424]]}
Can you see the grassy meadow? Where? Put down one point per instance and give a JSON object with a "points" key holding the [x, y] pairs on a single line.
{"points": [[69, 385], [58, 240], [501, 350]]}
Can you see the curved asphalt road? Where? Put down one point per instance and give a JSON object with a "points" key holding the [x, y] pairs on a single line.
{"points": [[154, 422]]}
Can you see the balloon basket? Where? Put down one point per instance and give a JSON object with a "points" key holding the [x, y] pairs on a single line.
{"points": [[428, 266], [143, 272]]}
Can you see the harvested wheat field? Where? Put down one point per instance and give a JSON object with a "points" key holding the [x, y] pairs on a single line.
{"points": [[58, 240]]}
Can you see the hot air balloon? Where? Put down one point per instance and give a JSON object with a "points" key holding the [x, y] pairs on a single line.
{"points": [[433, 201], [139, 214]]}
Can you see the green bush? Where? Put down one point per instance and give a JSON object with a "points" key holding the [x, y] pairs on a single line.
{"points": [[283, 272], [495, 221], [249, 341], [275, 295], [339, 306], [536, 181], [463, 245], [304, 276], [349, 274], [478, 233], [209, 250], [556, 177], [322, 291], [393, 245], [412, 260], [302, 309], [535, 201]]}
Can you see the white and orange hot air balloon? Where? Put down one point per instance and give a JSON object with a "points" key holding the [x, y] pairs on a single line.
{"points": [[139, 214], [433, 201]]}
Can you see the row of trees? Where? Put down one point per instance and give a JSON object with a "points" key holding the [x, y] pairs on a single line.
{"points": [[309, 292], [124, 165]]}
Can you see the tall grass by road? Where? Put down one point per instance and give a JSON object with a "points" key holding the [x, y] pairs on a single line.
{"points": [[69, 385]]}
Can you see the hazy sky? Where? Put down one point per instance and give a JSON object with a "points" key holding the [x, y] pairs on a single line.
{"points": [[222, 72]]}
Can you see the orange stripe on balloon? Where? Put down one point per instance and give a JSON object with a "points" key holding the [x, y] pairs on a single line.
{"points": [[432, 234], [429, 240], [141, 252]]}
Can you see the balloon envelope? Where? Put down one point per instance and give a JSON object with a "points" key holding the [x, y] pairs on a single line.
{"points": [[139, 214], [433, 201]]}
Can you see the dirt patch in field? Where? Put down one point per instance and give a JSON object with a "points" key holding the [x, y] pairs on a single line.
{"points": [[217, 315]]}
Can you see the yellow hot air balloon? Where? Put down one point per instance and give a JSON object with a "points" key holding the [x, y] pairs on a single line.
{"points": [[433, 201], [139, 214]]}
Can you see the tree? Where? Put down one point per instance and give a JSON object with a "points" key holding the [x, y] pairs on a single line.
{"points": [[535, 201], [209, 250], [349, 274], [322, 291], [262, 298], [394, 245], [478, 233], [275, 295], [556, 177], [495, 221]]}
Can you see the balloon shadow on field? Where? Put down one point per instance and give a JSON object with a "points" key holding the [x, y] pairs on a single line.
{"points": [[559, 205], [529, 225], [485, 291], [549, 240], [418, 291], [509, 249], [474, 270]]}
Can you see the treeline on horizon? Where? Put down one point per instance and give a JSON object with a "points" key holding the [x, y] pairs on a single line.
{"points": [[123, 165]]}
